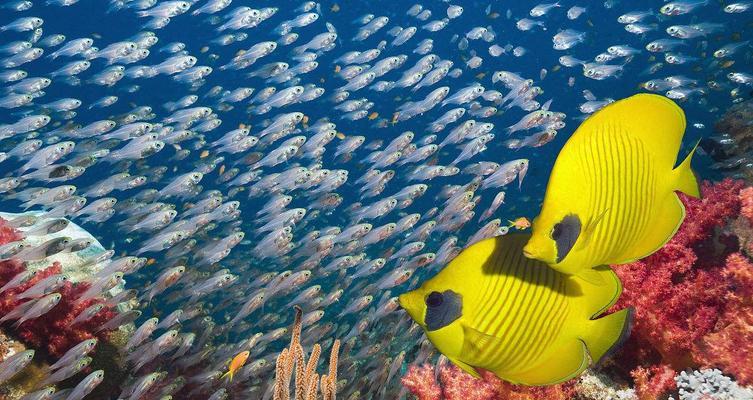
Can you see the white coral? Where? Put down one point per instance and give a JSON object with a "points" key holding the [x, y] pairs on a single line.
{"points": [[593, 385], [709, 384]]}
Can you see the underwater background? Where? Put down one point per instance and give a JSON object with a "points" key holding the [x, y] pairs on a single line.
{"points": [[221, 162]]}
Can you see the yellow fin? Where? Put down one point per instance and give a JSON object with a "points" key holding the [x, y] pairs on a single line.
{"points": [[228, 374], [591, 225], [663, 227], [594, 299], [607, 333], [591, 276], [465, 367], [565, 363], [685, 180], [476, 344]]}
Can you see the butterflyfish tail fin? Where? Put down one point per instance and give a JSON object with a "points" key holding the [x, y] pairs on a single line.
{"points": [[606, 334], [685, 179]]}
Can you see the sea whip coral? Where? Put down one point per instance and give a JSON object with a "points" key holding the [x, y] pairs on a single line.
{"points": [[52, 331], [292, 363]]}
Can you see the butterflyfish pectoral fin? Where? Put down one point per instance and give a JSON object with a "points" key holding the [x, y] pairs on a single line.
{"points": [[465, 367], [591, 276]]}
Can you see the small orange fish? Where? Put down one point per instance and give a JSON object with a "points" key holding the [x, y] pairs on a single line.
{"points": [[337, 68], [236, 363], [340, 135], [373, 116], [520, 223], [204, 154]]}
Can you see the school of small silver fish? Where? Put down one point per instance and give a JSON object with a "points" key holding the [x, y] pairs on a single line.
{"points": [[347, 164]]}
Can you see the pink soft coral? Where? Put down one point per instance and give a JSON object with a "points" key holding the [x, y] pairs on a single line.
{"points": [[52, 330], [746, 203], [455, 384], [421, 382], [653, 382], [688, 296], [730, 346], [458, 385]]}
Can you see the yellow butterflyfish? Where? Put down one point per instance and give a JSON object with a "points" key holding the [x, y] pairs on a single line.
{"points": [[492, 308], [611, 194]]}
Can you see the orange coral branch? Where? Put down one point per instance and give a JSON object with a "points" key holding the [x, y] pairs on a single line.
{"points": [[292, 361]]}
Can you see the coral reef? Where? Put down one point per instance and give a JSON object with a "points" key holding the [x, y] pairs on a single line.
{"points": [[595, 385], [76, 265], [730, 345], [692, 297], [455, 384], [746, 203], [653, 381], [25, 380], [693, 302], [730, 148], [709, 384], [291, 363], [51, 331], [422, 382]]}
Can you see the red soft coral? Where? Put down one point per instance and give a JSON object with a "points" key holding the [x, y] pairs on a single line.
{"points": [[688, 295], [52, 330], [746, 203], [422, 383], [455, 384], [563, 391], [653, 382], [8, 233], [458, 385], [678, 297], [730, 346]]}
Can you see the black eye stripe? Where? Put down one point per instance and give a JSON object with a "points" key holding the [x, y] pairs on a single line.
{"points": [[434, 299], [565, 234], [442, 309]]}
